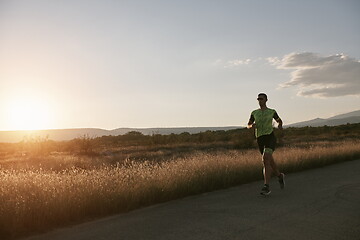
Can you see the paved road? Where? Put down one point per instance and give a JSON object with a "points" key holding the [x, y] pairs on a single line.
{"points": [[317, 204]]}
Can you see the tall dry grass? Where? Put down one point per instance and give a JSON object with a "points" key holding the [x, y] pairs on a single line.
{"points": [[36, 199]]}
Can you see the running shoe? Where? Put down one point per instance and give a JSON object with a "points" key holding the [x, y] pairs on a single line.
{"points": [[265, 190], [281, 178]]}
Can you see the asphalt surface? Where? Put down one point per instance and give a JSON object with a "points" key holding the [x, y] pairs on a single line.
{"points": [[316, 204]]}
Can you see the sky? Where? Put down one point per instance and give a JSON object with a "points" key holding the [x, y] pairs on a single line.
{"points": [[110, 64]]}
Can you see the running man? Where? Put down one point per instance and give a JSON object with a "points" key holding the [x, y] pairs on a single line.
{"points": [[261, 119]]}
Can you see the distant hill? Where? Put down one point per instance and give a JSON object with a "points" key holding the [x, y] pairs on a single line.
{"points": [[347, 115], [68, 134], [351, 117], [53, 134]]}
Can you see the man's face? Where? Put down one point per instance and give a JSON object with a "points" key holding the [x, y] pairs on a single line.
{"points": [[262, 100]]}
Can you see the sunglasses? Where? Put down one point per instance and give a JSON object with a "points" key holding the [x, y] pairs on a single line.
{"points": [[260, 98]]}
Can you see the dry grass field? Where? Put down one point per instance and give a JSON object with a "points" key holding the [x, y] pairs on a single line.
{"points": [[40, 193]]}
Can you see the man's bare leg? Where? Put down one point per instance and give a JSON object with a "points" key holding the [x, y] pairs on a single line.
{"points": [[267, 170], [273, 165], [269, 167]]}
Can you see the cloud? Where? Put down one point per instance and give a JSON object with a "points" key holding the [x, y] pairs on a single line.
{"points": [[274, 60], [233, 63], [238, 62], [319, 76]]}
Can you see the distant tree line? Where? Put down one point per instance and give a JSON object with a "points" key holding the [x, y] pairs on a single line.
{"points": [[242, 138], [237, 138]]}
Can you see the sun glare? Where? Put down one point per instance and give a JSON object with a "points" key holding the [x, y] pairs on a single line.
{"points": [[28, 114]]}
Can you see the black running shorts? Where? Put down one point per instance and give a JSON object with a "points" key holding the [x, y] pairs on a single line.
{"points": [[266, 141]]}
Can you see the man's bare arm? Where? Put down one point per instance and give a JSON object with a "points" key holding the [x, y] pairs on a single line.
{"points": [[280, 123], [251, 123]]}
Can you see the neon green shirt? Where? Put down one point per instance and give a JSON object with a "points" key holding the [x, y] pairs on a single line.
{"points": [[263, 120]]}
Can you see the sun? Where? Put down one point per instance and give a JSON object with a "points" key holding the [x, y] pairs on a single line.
{"points": [[28, 114]]}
